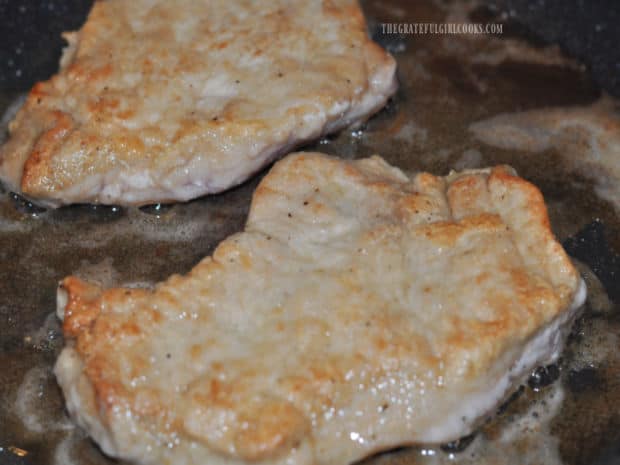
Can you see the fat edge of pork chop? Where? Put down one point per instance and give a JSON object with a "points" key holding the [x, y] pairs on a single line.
{"points": [[160, 101], [359, 310]]}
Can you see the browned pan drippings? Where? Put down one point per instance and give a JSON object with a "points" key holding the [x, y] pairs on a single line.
{"points": [[447, 83]]}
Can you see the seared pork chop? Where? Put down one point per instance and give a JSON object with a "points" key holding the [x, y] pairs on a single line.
{"points": [[359, 310], [161, 101]]}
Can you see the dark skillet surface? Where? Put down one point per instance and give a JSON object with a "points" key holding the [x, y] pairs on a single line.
{"points": [[585, 29], [424, 128]]}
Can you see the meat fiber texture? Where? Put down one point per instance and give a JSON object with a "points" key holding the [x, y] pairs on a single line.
{"points": [[359, 310], [160, 101]]}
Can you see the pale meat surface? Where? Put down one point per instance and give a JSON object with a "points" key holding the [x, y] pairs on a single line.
{"points": [[360, 309], [160, 101]]}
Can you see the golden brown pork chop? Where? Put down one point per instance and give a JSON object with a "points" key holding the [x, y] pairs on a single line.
{"points": [[359, 310], [162, 101]]}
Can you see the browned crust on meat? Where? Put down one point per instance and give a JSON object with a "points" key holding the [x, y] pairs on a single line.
{"points": [[37, 167], [121, 320], [81, 308], [76, 129]]}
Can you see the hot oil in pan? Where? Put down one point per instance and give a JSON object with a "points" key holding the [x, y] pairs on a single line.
{"points": [[447, 84]]}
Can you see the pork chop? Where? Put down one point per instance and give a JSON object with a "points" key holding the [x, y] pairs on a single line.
{"points": [[160, 101], [359, 310]]}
